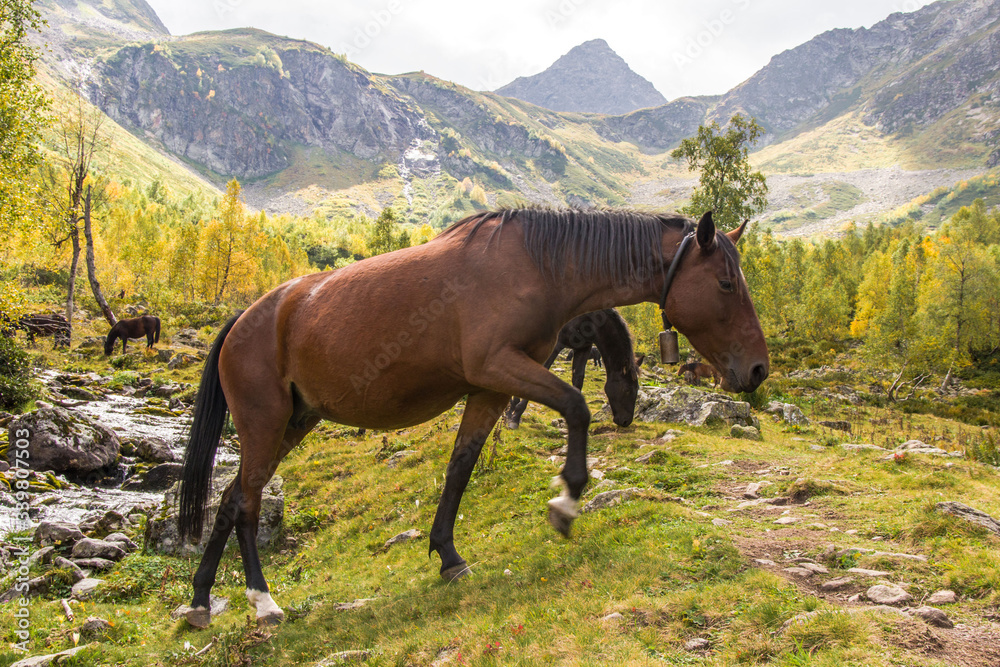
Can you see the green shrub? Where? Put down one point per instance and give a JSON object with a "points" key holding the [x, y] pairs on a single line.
{"points": [[15, 375]]}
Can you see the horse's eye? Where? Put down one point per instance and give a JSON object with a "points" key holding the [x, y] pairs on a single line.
{"points": [[726, 285]]}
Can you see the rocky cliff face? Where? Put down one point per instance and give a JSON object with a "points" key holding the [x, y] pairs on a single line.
{"points": [[591, 77], [236, 104]]}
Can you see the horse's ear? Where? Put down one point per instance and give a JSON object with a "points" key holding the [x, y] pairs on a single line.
{"points": [[706, 233], [737, 233]]}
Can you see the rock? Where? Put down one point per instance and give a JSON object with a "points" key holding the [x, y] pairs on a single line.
{"points": [[108, 522], [721, 522], [157, 478], [690, 406], [216, 606], [800, 572], [933, 616], [943, 597], [57, 532], [182, 360], [405, 536], [80, 394], [745, 432], [166, 390], [868, 573], [837, 584], [888, 594], [863, 448], [35, 586], [788, 412], [815, 568], [43, 555], [764, 562], [697, 644], [46, 660], [161, 528], [348, 606], [91, 548], [786, 520], [94, 628], [163, 355], [63, 442], [188, 338], [65, 564], [122, 540], [613, 616], [99, 564], [345, 657], [155, 450], [962, 511], [753, 490], [610, 498], [397, 458], [84, 588]]}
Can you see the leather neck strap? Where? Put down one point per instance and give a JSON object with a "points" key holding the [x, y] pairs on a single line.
{"points": [[685, 242]]}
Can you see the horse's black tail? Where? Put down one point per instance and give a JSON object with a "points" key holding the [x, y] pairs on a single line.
{"points": [[210, 410], [156, 332]]}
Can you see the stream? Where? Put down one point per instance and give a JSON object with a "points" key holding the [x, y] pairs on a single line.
{"points": [[118, 412]]}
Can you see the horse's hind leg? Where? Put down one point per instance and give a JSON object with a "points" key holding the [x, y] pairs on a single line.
{"points": [[256, 470], [482, 410], [204, 577]]}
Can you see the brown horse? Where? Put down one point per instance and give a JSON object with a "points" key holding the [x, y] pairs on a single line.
{"points": [[147, 326], [605, 333], [53, 324], [698, 371], [398, 339]]}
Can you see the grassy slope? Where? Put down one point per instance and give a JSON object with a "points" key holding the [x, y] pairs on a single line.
{"points": [[661, 564]]}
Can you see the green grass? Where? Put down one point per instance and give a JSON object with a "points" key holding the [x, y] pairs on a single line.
{"points": [[659, 563]]}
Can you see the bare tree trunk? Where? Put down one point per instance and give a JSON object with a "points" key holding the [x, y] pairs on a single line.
{"points": [[75, 238], [95, 286]]}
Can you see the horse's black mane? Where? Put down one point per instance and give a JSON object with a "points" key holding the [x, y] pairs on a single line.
{"points": [[621, 245]]}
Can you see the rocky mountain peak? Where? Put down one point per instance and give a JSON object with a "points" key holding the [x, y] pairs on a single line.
{"points": [[591, 77]]}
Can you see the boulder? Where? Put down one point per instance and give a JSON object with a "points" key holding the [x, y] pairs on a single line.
{"points": [[122, 540], [63, 442], [50, 659], [943, 597], [164, 355], [158, 478], [745, 432], [611, 498], [690, 406], [94, 628], [187, 337], [888, 594], [84, 588], [182, 360], [91, 548], [80, 394], [787, 412], [65, 564], [57, 532], [155, 450], [99, 564], [933, 616], [216, 606], [962, 511], [162, 532]]}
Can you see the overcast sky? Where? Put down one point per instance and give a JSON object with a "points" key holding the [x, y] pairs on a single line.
{"points": [[684, 48]]}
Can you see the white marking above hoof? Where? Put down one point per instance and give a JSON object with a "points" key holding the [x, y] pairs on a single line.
{"points": [[565, 506], [267, 609]]}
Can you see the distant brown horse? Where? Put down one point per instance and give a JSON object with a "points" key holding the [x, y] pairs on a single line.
{"points": [[397, 339], [696, 371], [147, 326], [602, 333]]}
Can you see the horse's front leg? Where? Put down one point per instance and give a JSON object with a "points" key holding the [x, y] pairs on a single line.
{"points": [[513, 372], [482, 410]]}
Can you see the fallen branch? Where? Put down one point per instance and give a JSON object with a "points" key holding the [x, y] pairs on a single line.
{"points": [[67, 610]]}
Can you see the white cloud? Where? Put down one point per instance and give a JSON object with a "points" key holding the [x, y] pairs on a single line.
{"points": [[684, 48]]}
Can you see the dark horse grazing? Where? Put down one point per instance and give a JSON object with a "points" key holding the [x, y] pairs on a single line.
{"points": [[399, 338], [698, 371], [147, 326], [606, 330]]}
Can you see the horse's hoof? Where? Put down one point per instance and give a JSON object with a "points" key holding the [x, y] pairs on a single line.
{"points": [[560, 521], [198, 617], [456, 572], [270, 619], [513, 425]]}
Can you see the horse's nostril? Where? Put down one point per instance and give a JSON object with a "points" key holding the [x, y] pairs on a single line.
{"points": [[758, 373]]}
